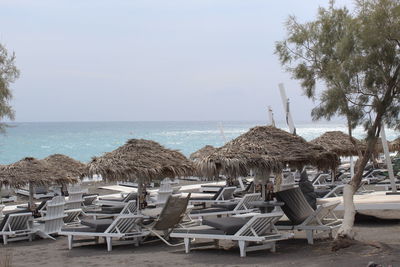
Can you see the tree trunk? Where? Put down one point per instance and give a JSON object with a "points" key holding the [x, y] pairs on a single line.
{"points": [[345, 232]]}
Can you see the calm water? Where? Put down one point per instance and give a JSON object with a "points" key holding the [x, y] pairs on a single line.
{"points": [[82, 140]]}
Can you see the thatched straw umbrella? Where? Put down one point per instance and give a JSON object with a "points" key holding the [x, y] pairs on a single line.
{"points": [[72, 167], [395, 145], [202, 152], [265, 149], [339, 143], [64, 163], [33, 172], [142, 161]]}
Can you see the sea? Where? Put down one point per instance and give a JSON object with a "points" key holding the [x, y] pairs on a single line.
{"points": [[84, 140]]}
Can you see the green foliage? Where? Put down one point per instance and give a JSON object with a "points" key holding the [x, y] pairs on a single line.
{"points": [[357, 58], [8, 74]]}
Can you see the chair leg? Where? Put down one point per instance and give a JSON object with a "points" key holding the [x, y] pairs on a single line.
{"points": [[242, 247], [186, 240], [273, 247], [70, 241], [5, 241], [310, 236], [109, 243]]}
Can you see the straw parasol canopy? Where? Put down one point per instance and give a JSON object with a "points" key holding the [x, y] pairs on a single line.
{"points": [[339, 143], [141, 160], [30, 170], [265, 149], [395, 144], [64, 163], [202, 152]]}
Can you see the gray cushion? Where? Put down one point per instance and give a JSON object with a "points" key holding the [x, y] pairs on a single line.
{"points": [[202, 229], [209, 210], [80, 229], [225, 205], [98, 225], [229, 225]]}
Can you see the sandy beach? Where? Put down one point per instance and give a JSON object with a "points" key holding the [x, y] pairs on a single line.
{"points": [[293, 252]]}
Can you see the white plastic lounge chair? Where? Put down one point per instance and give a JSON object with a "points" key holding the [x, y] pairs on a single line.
{"points": [[6, 195], [129, 208], [257, 233], [124, 227], [303, 218], [243, 206], [116, 201], [223, 195], [75, 197], [16, 226], [39, 192], [171, 216], [72, 216], [53, 220]]}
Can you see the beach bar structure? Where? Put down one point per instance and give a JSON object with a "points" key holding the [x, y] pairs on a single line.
{"points": [[265, 150], [141, 161], [33, 172]]}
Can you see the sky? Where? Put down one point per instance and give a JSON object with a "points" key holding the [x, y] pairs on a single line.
{"points": [[151, 60]]}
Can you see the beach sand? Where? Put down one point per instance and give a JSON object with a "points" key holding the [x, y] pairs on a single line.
{"points": [[295, 252]]}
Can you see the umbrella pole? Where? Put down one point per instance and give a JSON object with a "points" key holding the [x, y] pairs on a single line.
{"points": [[30, 206], [139, 197]]}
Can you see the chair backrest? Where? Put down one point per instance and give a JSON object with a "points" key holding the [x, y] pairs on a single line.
{"points": [[244, 203], [129, 208], [130, 196], [322, 212], [15, 221], [259, 225], [72, 215], [54, 215], [75, 197], [296, 206], [172, 213], [226, 193], [125, 223]]}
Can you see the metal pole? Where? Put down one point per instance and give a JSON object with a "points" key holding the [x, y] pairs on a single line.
{"points": [[271, 116], [285, 102], [388, 160]]}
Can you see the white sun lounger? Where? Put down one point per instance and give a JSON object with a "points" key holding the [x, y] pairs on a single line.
{"points": [[243, 206], [304, 218], [16, 226], [124, 227], [224, 195], [258, 233], [129, 208], [116, 202]]}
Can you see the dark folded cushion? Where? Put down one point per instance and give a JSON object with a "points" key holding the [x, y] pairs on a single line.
{"points": [[229, 225], [98, 225], [284, 223], [80, 229], [202, 198], [119, 199], [111, 210], [199, 230], [208, 210], [225, 205]]}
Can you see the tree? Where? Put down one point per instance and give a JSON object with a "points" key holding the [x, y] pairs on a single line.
{"points": [[356, 57], [8, 74]]}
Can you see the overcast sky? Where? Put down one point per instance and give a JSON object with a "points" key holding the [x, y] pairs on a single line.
{"points": [[127, 60]]}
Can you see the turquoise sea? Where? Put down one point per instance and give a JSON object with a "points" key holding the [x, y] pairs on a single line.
{"points": [[83, 140]]}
